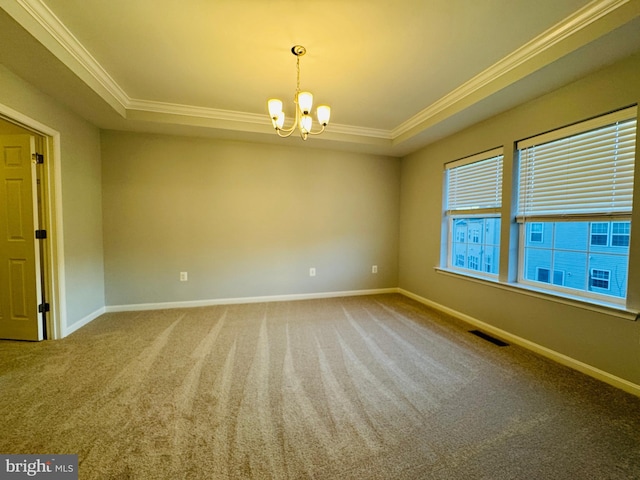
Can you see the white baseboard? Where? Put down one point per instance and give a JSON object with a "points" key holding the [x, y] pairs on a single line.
{"points": [[69, 329], [228, 301], [587, 369]]}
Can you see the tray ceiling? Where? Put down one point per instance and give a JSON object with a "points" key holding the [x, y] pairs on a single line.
{"points": [[397, 75]]}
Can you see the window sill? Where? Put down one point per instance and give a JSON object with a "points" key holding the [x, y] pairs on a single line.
{"points": [[592, 305]]}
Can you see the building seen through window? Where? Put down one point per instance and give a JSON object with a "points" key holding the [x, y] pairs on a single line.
{"points": [[586, 256], [476, 244]]}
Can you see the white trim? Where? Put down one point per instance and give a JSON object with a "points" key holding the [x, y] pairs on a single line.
{"points": [[240, 300], [192, 111], [586, 303], [489, 154], [359, 131], [624, 115], [45, 18], [83, 321], [568, 27], [55, 243], [582, 367], [63, 37]]}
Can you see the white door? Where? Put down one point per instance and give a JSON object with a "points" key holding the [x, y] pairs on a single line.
{"points": [[20, 287]]}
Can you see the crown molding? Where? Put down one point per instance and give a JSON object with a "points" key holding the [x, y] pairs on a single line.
{"points": [[165, 108], [45, 17], [63, 37], [199, 112], [360, 131], [536, 47], [86, 66]]}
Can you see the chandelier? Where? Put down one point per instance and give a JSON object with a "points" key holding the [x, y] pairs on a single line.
{"points": [[304, 102]]}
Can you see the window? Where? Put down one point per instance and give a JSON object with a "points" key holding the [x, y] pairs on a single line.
{"points": [[599, 234], [599, 279], [620, 233], [576, 187], [535, 232], [544, 275], [488, 264], [614, 234], [473, 201], [475, 235]]}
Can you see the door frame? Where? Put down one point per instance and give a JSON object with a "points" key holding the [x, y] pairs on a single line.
{"points": [[53, 258]]}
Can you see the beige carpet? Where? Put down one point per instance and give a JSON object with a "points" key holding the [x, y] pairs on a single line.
{"points": [[374, 387]]}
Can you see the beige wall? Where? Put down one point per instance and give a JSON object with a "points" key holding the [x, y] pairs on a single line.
{"points": [[602, 341], [244, 220], [81, 194], [249, 220]]}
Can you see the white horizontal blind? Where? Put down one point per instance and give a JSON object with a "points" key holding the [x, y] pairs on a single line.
{"points": [[476, 185], [586, 173]]}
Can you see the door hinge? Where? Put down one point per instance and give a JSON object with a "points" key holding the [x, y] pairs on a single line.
{"points": [[43, 307], [41, 234], [38, 157]]}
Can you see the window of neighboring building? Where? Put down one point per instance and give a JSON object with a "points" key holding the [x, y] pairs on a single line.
{"points": [[614, 234], [488, 264], [535, 232], [599, 234], [620, 233], [576, 186], [599, 279], [473, 201], [544, 275]]}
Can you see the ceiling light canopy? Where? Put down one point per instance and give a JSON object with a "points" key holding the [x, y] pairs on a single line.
{"points": [[304, 103]]}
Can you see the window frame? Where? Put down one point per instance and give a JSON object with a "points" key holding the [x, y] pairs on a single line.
{"points": [[604, 234], [593, 277], [472, 212], [594, 128], [626, 234], [532, 232]]}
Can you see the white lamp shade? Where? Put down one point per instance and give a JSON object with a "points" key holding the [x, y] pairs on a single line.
{"points": [[305, 123], [279, 121], [305, 102], [275, 107], [323, 112]]}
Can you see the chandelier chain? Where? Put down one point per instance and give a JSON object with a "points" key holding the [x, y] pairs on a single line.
{"points": [[298, 69]]}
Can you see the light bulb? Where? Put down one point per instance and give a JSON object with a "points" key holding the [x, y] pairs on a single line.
{"points": [[323, 112], [305, 102], [275, 107], [305, 123]]}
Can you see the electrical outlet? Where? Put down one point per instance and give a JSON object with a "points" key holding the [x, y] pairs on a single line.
{"points": [[374, 269], [312, 272], [184, 276]]}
